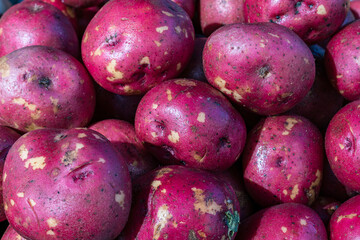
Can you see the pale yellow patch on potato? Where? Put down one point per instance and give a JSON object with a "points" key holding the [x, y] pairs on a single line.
{"points": [[116, 75], [284, 133], [290, 123], [341, 146], [86, 37], [145, 60], [262, 45], [221, 83], [205, 205], [311, 193], [288, 177], [32, 202], [237, 96], [1, 31], [185, 83], [349, 216], [188, 95], [157, 43], [339, 76], [82, 135], [303, 222], [4, 177], [163, 191], [20, 194], [98, 52], [23, 152], [162, 29], [163, 171], [321, 10], [128, 89], [101, 160], [50, 233], [21, 101], [274, 35], [336, 158], [306, 61], [4, 67], [12, 202], [174, 136], [294, 191], [178, 29], [162, 217], [285, 192], [202, 234], [97, 28], [155, 184], [284, 229], [120, 199], [201, 117], [166, 53], [35, 115], [185, 33], [51, 222], [6, 207], [198, 157], [36, 163], [168, 14], [158, 67], [154, 106], [168, 93], [153, 134], [178, 66]]}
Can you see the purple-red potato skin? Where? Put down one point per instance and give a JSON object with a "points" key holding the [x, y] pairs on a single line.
{"points": [[345, 221], [325, 207], [216, 13], [187, 5], [264, 67], [35, 22], [66, 184], [129, 47], [342, 61], [194, 69], [176, 202], [313, 21], [44, 87], [189, 122], [11, 234], [341, 145], [7, 138], [284, 221], [355, 8], [283, 161], [122, 135]]}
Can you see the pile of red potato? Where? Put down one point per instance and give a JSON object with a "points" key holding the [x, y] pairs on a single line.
{"points": [[180, 120]]}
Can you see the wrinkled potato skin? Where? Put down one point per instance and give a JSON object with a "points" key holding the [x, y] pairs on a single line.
{"points": [[35, 22], [129, 47], [53, 91], [185, 121], [313, 21], [283, 161], [342, 61], [66, 184], [264, 67]]}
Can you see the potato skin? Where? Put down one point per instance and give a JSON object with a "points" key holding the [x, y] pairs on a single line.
{"points": [[342, 61], [313, 21], [283, 161], [66, 184], [35, 22], [264, 67], [284, 221], [189, 122], [53, 91], [345, 221], [176, 202], [11, 234], [341, 144], [131, 46], [187, 5]]}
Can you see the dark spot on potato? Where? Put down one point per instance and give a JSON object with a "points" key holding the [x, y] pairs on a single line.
{"points": [[44, 82], [112, 41], [279, 161], [224, 142], [348, 144], [264, 72], [192, 235]]}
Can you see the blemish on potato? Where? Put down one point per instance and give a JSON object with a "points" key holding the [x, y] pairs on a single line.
{"points": [[97, 52], [35, 115], [185, 33], [155, 184], [21, 101], [284, 133], [285, 192], [169, 96], [145, 60], [6, 207], [111, 69], [311, 193], [262, 45], [284, 229], [336, 158], [306, 61], [86, 37], [198, 157], [341, 146], [221, 83], [321, 10], [157, 43], [201, 234], [4, 67], [174, 136], [162, 217], [51, 222], [32, 202], [237, 96], [158, 67], [188, 95], [203, 205], [294, 191], [290, 123], [101, 160], [162, 29], [185, 83], [201, 117], [178, 66], [166, 53], [274, 35], [154, 106], [120, 199], [163, 191], [20, 194], [36, 163], [23, 152], [98, 136], [1, 31], [153, 134], [163, 171], [178, 29], [12, 202], [303, 222], [4, 177], [349, 216], [82, 135], [97, 28], [50, 232], [128, 89], [168, 14]]}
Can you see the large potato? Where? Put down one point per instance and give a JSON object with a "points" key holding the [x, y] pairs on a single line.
{"points": [[131, 46], [66, 184]]}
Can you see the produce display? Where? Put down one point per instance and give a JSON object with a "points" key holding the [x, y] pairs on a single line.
{"points": [[179, 119]]}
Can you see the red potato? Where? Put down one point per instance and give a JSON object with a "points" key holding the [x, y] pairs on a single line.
{"points": [[345, 221], [313, 21], [284, 221], [131, 46], [7, 139], [283, 161], [34, 22], [175, 202], [122, 135], [53, 91], [264, 67], [355, 8], [189, 122], [66, 184], [216, 13], [325, 207], [342, 61], [187, 5], [341, 144], [11, 234]]}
